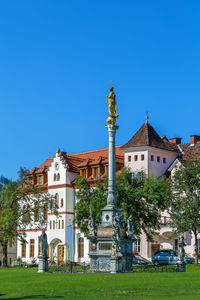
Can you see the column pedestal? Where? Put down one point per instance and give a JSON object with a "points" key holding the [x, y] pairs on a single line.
{"points": [[43, 264]]}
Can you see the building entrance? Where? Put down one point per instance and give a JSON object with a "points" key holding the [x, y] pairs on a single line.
{"points": [[154, 247], [61, 254]]}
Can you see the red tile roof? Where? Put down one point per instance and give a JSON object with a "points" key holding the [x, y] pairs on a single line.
{"points": [[42, 168]]}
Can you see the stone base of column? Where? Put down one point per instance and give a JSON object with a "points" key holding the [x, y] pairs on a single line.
{"points": [[116, 263], [43, 264], [180, 267]]}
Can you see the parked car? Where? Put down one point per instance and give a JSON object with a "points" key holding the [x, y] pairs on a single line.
{"points": [[168, 257], [189, 259]]}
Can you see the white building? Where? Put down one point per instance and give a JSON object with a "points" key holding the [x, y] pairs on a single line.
{"points": [[145, 151]]}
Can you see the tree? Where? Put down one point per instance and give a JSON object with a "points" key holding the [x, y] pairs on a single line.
{"points": [[3, 181], [139, 197], [21, 202], [185, 201]]}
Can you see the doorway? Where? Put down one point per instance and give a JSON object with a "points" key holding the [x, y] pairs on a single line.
{"points": [[154, 247], [60, 254]]}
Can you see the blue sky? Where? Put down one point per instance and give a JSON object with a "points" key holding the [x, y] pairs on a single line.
{"points": [[58, 57]]}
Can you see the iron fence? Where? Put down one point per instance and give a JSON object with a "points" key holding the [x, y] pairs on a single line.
{"points": [[75, 267]]}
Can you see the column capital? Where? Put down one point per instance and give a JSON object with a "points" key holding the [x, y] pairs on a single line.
{"points": [[112, 127]]}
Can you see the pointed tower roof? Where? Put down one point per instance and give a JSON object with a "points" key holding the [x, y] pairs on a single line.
{"points": [[147, 136]]}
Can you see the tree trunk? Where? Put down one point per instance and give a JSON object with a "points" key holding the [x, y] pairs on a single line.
{"points": [[196, 247], [5, 254]]}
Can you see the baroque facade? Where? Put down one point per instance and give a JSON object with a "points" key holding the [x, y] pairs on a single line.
{"points": [[145, 152]]}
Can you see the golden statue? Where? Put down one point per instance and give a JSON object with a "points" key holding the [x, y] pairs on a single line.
{"points": [[112, 107]]}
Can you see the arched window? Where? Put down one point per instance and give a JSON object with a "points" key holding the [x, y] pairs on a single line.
{"points": [[58, 224], [61, 202], [62, 224], [23, 213], [57, 200], [50, 224], [53, 224], [81, 247], [24, 248], [54, 177], [58, 176], [32, 246], [26, 214], [39, 246], [36, 212], [51, 204], [45, 212]]}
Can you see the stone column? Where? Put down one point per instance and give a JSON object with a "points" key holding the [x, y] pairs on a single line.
{"points": [[111, 200]]}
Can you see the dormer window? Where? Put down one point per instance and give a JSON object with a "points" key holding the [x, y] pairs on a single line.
{"points": [[164, 160], [96, 172], [129, 158], [40, 180], [135, 157], [152, 157], [158, 158], [84, 173], [142, 157]]}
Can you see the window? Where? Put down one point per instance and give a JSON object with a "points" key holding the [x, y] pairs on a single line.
{"points": [[176, 244], [164, 160], [81, 247], [10, 260], [45, 212], [96, 172], [198, 245], [129, 158], [135, 157], [35, 179], [152, 157], [62, 224], [32, 247], [58, 177], [40, 180], [136, 245], [57, 200], [24, 248], [142, 157], [31, 180], [26, 215], [158, 158], [84, 173], [39, 247], [53, 224], [10, 244], [54, 177], [50, 224], [61, 202], [36, 212], [58, 224], [51, 204]]}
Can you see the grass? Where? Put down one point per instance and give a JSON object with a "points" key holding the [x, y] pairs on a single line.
{"points": [[28, 284]]}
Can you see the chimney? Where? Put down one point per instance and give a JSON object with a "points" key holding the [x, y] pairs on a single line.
{"points": [[175, 140], [194, 138]]}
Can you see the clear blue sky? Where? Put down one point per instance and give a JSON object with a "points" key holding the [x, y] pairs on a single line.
{"points": [[56, 61]]}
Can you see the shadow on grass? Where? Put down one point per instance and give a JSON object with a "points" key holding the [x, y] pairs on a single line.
{"points": [[34, 297]]}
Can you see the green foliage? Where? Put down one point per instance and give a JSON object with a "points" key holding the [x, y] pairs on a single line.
{"points": [[18, 200], [185, 201], [141, 197]]}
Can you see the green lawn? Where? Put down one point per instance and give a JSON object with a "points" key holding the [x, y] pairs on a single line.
{"points": [[28, 284]]}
